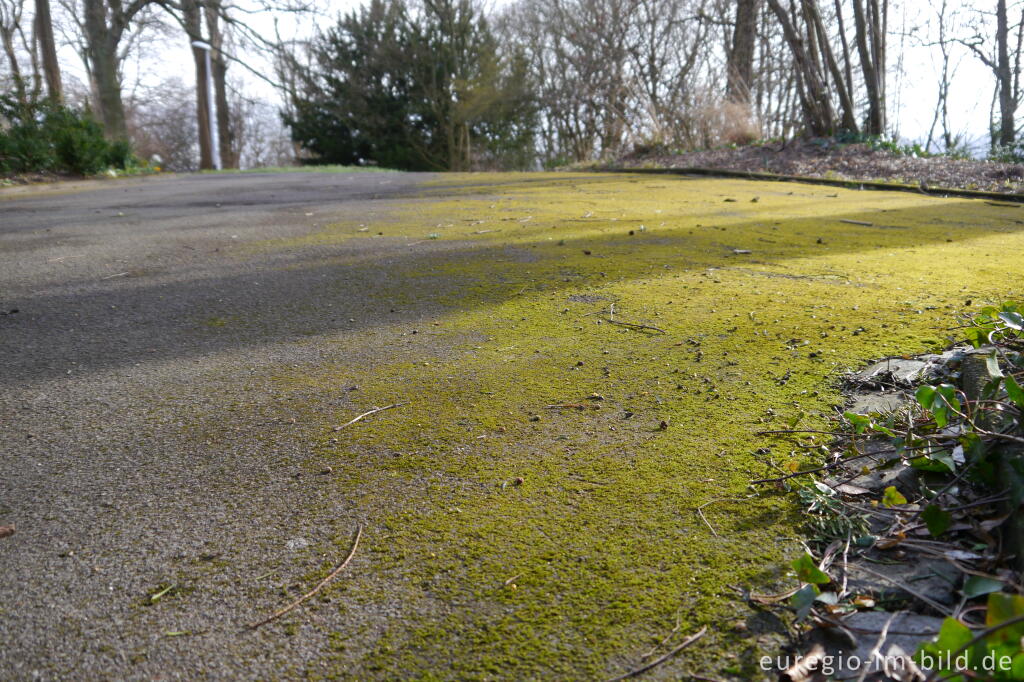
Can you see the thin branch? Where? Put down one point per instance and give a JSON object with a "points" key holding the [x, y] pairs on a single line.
{"points": [[333, 574], [641, 670], [367, 414]]}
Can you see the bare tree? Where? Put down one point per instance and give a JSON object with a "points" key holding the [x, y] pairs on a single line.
{"points": [[871, 19], [17, 49], [48, 50], [1004, 62], [740, 66]]}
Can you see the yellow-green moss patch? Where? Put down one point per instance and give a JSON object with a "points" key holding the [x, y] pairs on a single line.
{"points": [[509, 539]]}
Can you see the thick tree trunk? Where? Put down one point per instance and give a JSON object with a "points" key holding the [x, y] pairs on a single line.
{"points": [[1004, 77], [48, 50], [740, 65], [193, 20], [102, 40], [225, 135], [869, 28]]}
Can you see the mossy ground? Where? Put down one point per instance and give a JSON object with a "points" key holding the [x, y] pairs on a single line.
{"points": [[499, 545]]}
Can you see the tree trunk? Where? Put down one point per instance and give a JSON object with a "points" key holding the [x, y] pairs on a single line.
{"points": [[48, 49], [225, 135], [1004, 77], [7, 38], [870, 36], [101, 46], [740, 65], [844, 87], [814, 96], [193, 19]]}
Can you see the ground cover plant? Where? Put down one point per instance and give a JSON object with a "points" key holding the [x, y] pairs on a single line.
{"points": [[535, 498], [942, 468]]}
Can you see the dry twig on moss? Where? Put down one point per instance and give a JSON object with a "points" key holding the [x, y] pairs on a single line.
{"points": [[642, 669], [367, 414]]}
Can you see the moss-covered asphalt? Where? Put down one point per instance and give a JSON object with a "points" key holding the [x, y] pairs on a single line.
{"points": [[184, 346]]}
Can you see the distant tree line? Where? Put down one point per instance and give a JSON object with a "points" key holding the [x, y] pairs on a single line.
{"points": [[444, 84]]}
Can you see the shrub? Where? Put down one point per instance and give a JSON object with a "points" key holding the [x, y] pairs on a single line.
{"points": [[47, 137], [1010, 153]]}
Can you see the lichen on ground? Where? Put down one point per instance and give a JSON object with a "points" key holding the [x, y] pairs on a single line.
{"points": [[508, 539]]}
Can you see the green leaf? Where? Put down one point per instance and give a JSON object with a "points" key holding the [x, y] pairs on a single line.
{"points": [[939, 400], [925, 395], [976, 586], [859, 421], [1012, 320], [952, 636], [1014, 391], [929, 464], [892, 497], [808, 572], [992, 364], [1001, 608], [795, 419], [977, 336], [937, 519], [803, 600], [945, 458]]}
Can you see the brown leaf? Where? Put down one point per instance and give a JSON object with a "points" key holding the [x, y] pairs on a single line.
{"points": [[6, 531]]}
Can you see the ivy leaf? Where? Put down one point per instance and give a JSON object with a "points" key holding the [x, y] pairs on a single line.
{"points": [[1012, 320], [939, 400], [977, 336], [1001, 608], [803, 600], [992, 364], [859, 421], [953, 635], [937, 519], [1014, 391], [976, 586], [808, 572], [892, 497], [929, 464]]}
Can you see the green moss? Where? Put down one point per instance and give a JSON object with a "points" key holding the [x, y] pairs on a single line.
{"points": [[586, 563]]}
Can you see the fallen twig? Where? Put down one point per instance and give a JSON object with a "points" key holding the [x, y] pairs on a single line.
{"points": [[634, 326], [700, 511], [367, 414], [642, 669], [856, 222], [662, 643], [875, 650], [333, 574], [906, 588]]}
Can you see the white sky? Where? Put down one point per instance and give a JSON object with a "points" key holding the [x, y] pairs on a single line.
{"points": [[913, 80]]}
